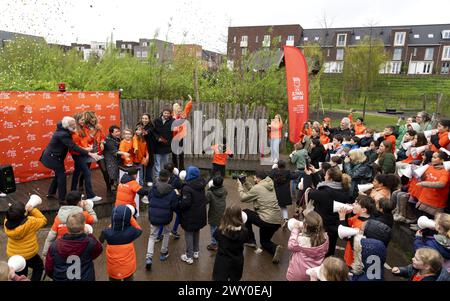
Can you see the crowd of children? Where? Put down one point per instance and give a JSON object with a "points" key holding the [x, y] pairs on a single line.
{"points": [[348, 183]]}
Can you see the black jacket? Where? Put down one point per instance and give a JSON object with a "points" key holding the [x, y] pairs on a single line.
{"points": [[317, 155], [193, 205], [365, 142], [163, 202], [229, 261], [150, 138], [282, 182], [360, 173], [323, 204], [56, 151], [163, 131]]}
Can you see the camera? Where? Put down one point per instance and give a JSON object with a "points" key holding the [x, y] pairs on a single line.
{"points": [[241, 177]]}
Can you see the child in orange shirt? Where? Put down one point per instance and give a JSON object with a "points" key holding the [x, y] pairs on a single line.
{"points": [[435, 186], [74, 205], [220, 157], [128, 189], [363, 208], [140, 152], [126, 146], [389, 136]]}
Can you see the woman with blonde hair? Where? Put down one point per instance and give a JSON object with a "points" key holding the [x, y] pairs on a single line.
{"points": [[276, 134], [357, 167]]}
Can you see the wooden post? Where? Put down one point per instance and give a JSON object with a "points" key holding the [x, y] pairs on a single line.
{"points": [[439, 101], [196, 90]]}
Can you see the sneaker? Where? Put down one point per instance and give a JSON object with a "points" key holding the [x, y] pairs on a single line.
{"points": [[96, 199], [196, 255], [148, 263], [277, 256], [399, 218], [163, 256], [187, 259], [285, 224], [149, 184], [258, 251], [175, 235], [212, 247], [145, 200], [159, 238]]}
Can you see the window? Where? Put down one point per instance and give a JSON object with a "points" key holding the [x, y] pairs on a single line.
{"points": [[244, 51], [138, 54], [358, 38], [430, 35], [305, 39], [234, 51], [257, 39], [341, 40], [144, 44], [244, 41], [397, 54], [328, 52], [414, 51], [399, 39], [290, 38], [266, 42], [445, 68], [446, 34], [429, 52], [234, 39], [316, 38], [446, 53], [122, 46], [279, 39], [339, 54], [144, 54], [427, 68], [130, 46], [396, 67], [416, 36]]}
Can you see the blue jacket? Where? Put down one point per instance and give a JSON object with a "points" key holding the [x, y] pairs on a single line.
{"points": [[121, 231], [163, 202], [373, 257], [175, 182], [409, 272], [430, 242]]}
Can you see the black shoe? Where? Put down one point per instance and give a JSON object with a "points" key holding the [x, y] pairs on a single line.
{"points": [[51, 196]]}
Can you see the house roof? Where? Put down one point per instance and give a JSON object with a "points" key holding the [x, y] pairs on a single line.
{"points": [[416, 34], [7, 35]]}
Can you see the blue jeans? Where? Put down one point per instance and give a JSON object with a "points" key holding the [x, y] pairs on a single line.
{"points": [[81, 166], [213, 229], [275, 148], [160, 160], [141, 173]]}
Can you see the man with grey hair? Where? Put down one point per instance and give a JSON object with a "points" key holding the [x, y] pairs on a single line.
{"points": [[344, 129], [56, 151], [71, 258]]}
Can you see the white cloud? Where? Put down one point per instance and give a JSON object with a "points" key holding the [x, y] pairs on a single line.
{"points": [[203, 22]]}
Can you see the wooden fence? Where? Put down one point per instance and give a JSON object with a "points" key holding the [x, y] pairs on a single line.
{"points": [[132, 110]]}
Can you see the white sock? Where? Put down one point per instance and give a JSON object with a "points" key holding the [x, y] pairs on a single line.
{"points": [[284, 211]]}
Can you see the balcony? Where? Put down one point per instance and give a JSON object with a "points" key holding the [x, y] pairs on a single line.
{"points": [[244, 44]]}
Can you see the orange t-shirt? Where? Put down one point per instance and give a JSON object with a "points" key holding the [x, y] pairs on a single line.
{"points": [[410, 158], [140, 150], [219, 157], [353, 222], [81, 141], [181, 131], [433, 197], [417, 277], [359, 129], [443, 141], [61, 228], [276, 129], [414, 189], [393, 140], [126, 193], [127, 147]]}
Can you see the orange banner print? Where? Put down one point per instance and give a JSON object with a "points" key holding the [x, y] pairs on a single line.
{"points": [[28, 121]]}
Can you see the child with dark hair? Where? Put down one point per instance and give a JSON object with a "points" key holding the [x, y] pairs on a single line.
{"points": [[221, 153], [21, 226], [230, 236], [383, 186], [128, 189], [216, 196], [354, 142], [74, 204], [388, 135], [372, 153], [367, 139]]}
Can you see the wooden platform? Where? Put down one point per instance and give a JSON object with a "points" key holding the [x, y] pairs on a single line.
{"points": [[50, 208]]}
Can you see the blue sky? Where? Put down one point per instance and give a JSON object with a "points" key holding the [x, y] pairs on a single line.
{"points": [[203, 22]]}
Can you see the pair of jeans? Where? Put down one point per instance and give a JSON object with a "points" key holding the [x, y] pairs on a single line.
{"points": [[175, 226], [275, 148], [37, 265], [153, 235], [149, 169], [266, 230], [192, 242], [178, 160], [59, 183], [81, 166], [160, 160], [213, 230]]}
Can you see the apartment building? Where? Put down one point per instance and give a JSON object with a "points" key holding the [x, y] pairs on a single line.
{"points": [[161, 50], [7, 36], [126, 47], [412, 49]]}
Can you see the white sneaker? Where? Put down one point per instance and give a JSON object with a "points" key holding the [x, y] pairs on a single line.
{"points": [[258, 251], [196, 255], [145, 200], [187, 259], [149, 184], [96, 199]]}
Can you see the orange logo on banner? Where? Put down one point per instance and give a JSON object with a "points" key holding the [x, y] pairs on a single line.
{"points": [[28, 121]]}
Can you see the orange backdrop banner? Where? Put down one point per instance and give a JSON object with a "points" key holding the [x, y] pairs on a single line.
{"points": [[28, 121]]}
